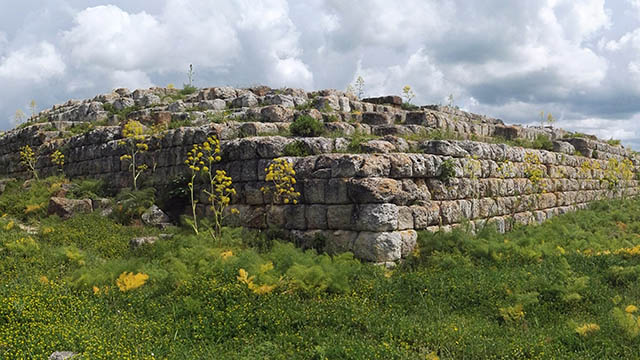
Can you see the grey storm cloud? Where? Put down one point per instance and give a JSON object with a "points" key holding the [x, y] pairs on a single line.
{"points": [[579, 59]]}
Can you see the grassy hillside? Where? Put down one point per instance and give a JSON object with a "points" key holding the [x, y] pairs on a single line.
{"points": [[565, 289]]}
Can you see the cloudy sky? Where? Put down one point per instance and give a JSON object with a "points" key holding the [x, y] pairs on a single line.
{"points": [[578, 59]]}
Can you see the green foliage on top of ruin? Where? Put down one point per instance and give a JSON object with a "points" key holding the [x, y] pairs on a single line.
{"points": [[306, 126]]}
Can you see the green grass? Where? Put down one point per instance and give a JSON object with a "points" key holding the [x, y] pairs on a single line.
{"points": [[519, 295]]}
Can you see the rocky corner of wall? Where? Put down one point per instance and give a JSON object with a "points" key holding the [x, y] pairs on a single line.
{"points": [[380, 170]]}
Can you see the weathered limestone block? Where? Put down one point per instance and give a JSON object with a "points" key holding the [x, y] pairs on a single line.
{"points": [[249, 216], [421, 118], [376, 217], [246, 100], [443, 147], [425, 215], [374, 166], [66, 208], [499, 222], [327, 103], [391, 100], [340, 241], [377, 147], [547, 200], [374, 118], [401, 145], [378, 246], [291, 217], [373, 190], [248, 171], [239, 149], [271, 146], [316, 216], [138, 242], [344, 104], [315, 190], [62, 355], [391, 130], [279, 99], [425, 165], [339, 127], [317, 145], [454, 188], [584, 146], [340, 217], [401, 166], [257, 128], [483, 208], [252, 193], [563, 147], [409, 240], [337, 191], [524, 218], [154, 216], [345, 165], [217, 105], [276, 113], [405, 218], [456, 211], [123, 103]]}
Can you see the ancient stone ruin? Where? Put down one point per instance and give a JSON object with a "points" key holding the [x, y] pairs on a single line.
{"points": [[381, 171]]}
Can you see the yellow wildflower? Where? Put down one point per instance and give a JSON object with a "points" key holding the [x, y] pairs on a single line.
{"points": [[129, 281], [587, 329]]}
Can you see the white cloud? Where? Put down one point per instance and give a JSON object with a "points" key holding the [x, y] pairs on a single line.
{"points": [[109, 37], [228, 37], [630, 39], [35, 63]]}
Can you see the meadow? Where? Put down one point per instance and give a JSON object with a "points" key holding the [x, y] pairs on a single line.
{"points": [[566, 289]]}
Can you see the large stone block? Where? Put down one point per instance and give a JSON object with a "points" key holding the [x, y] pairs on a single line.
{"points": [[337, 191], [315, 191], [374, 166], [378, 246], [426, 215], [374, 118], [340, 217], [316, 216], [405, 218], [401, 166], [377, 217], [373, 190], [340, 241]]}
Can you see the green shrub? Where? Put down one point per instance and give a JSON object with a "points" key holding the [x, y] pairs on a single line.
{"points": [[358, 138], [296, 148], [131, 204], [542, 142], [188, 90], [87, 189], [409, 107], [447, 170], [306, 126], [29, 200]]}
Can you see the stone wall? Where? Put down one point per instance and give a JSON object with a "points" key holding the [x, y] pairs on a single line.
{"points": [[371, 202]]}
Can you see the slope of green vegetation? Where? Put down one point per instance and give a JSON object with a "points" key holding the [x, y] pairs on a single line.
{"points": [[567, 289]]}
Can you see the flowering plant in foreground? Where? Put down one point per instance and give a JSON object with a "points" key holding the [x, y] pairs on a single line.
{"points": [[201, 160], [57, 159], [134, 142], [28, 160], [280, 181]]}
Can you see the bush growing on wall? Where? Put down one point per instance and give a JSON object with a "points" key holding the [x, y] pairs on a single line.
{"points": [[306, 126]]}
